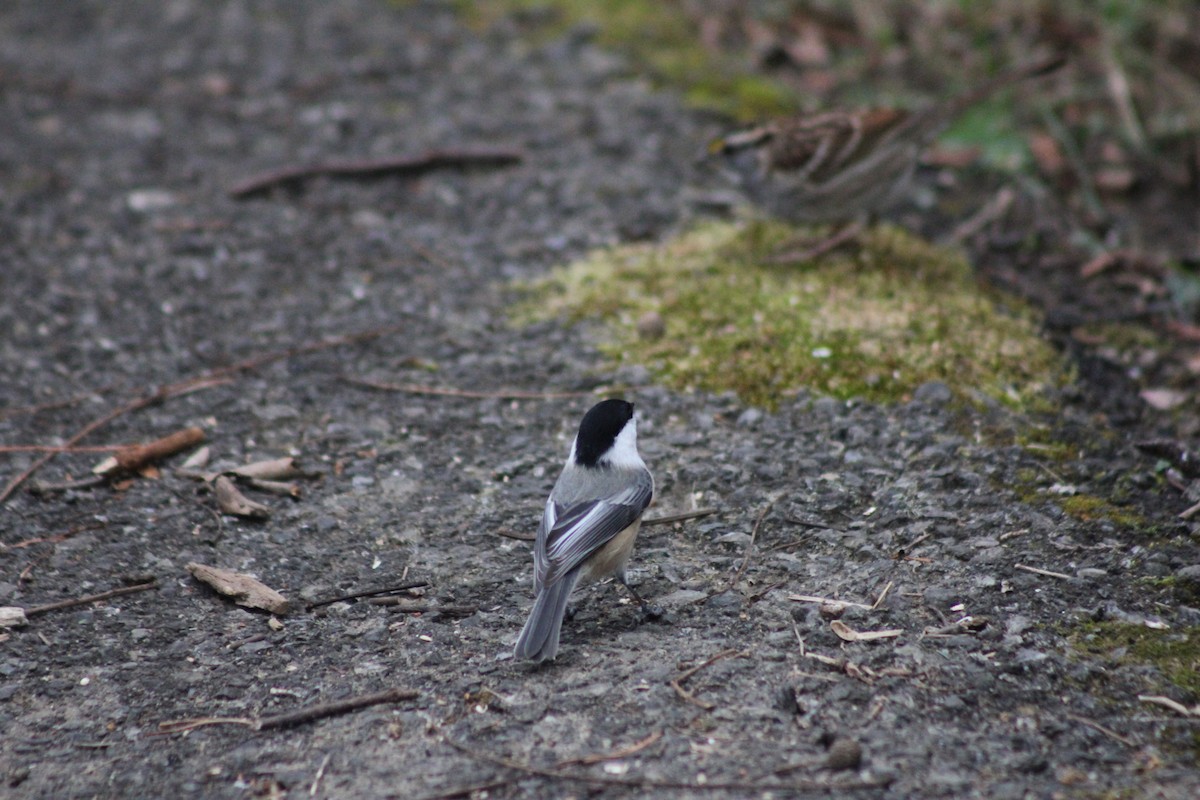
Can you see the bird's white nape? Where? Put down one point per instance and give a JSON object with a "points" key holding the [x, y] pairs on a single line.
{"points": [[624, 452]]}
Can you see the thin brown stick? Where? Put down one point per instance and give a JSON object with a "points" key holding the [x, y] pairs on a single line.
{"points": [[90, 482], [316, 783], [676, 683], [51, 448], [683, 516], [58, 537], [992, 210], [52, 405], [397, 604], [289, 718], [623, 752], [374, 168], [91, 598], [213, 377], [499, 394], [1109, 732], [1039, 571], [733, 582], [182, 725], [520, 537], [403, 587], [323, 710], [131, 459], [648, 783], [879, 600]]}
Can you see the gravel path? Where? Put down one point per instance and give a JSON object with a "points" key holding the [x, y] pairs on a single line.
{"points": [[127, 266]]}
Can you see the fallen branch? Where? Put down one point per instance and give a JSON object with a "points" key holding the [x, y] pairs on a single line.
{"points": [[374, 168], [290, 718], [91, 598], [499, 394]]}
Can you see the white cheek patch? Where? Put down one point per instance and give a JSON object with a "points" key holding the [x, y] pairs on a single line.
{"points": [[624, 452]]}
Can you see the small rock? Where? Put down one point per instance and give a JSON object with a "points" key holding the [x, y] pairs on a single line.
{"points": [[844, 753], [935, 393], [650, 326], [1190, 573]]}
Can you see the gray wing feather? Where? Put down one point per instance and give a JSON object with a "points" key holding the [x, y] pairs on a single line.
{"points": [[579, 530]]}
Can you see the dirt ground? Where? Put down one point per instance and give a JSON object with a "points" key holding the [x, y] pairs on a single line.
{"points": [[128, 267]]}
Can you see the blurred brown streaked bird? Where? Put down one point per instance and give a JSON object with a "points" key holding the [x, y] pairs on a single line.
{"points": [[841, 166]]}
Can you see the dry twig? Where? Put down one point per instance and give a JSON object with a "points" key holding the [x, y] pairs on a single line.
{"points": [[676, 683], [1046, 572], [750, 546], [296, 717], [1109, 732], [91, 598], [403, 587], [1174, 705], [623, 752], [374, 168]]}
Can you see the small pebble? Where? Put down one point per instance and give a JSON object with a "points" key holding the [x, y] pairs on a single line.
{"points": [[844, 753]]}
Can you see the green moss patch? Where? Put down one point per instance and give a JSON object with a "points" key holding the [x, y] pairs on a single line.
{"points": [[874, 323], [1175, 654]]}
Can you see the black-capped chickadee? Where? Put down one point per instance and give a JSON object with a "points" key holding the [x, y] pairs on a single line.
{"points": [[591, 520]]}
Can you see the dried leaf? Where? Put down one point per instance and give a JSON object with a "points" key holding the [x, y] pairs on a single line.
{"points": [[232, 501], [198, 460], [244, 590], [276, 469], [12, 617], [848, 634], [1164, 399]]}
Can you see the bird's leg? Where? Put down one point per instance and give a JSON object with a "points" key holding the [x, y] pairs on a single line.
{"points": [[649, 610], [845, 234]]}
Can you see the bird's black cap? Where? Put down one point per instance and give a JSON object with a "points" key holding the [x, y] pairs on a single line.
{"points": [[599, 429]]}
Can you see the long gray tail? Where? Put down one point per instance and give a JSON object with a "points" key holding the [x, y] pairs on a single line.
{"points": [[539, 638]]}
